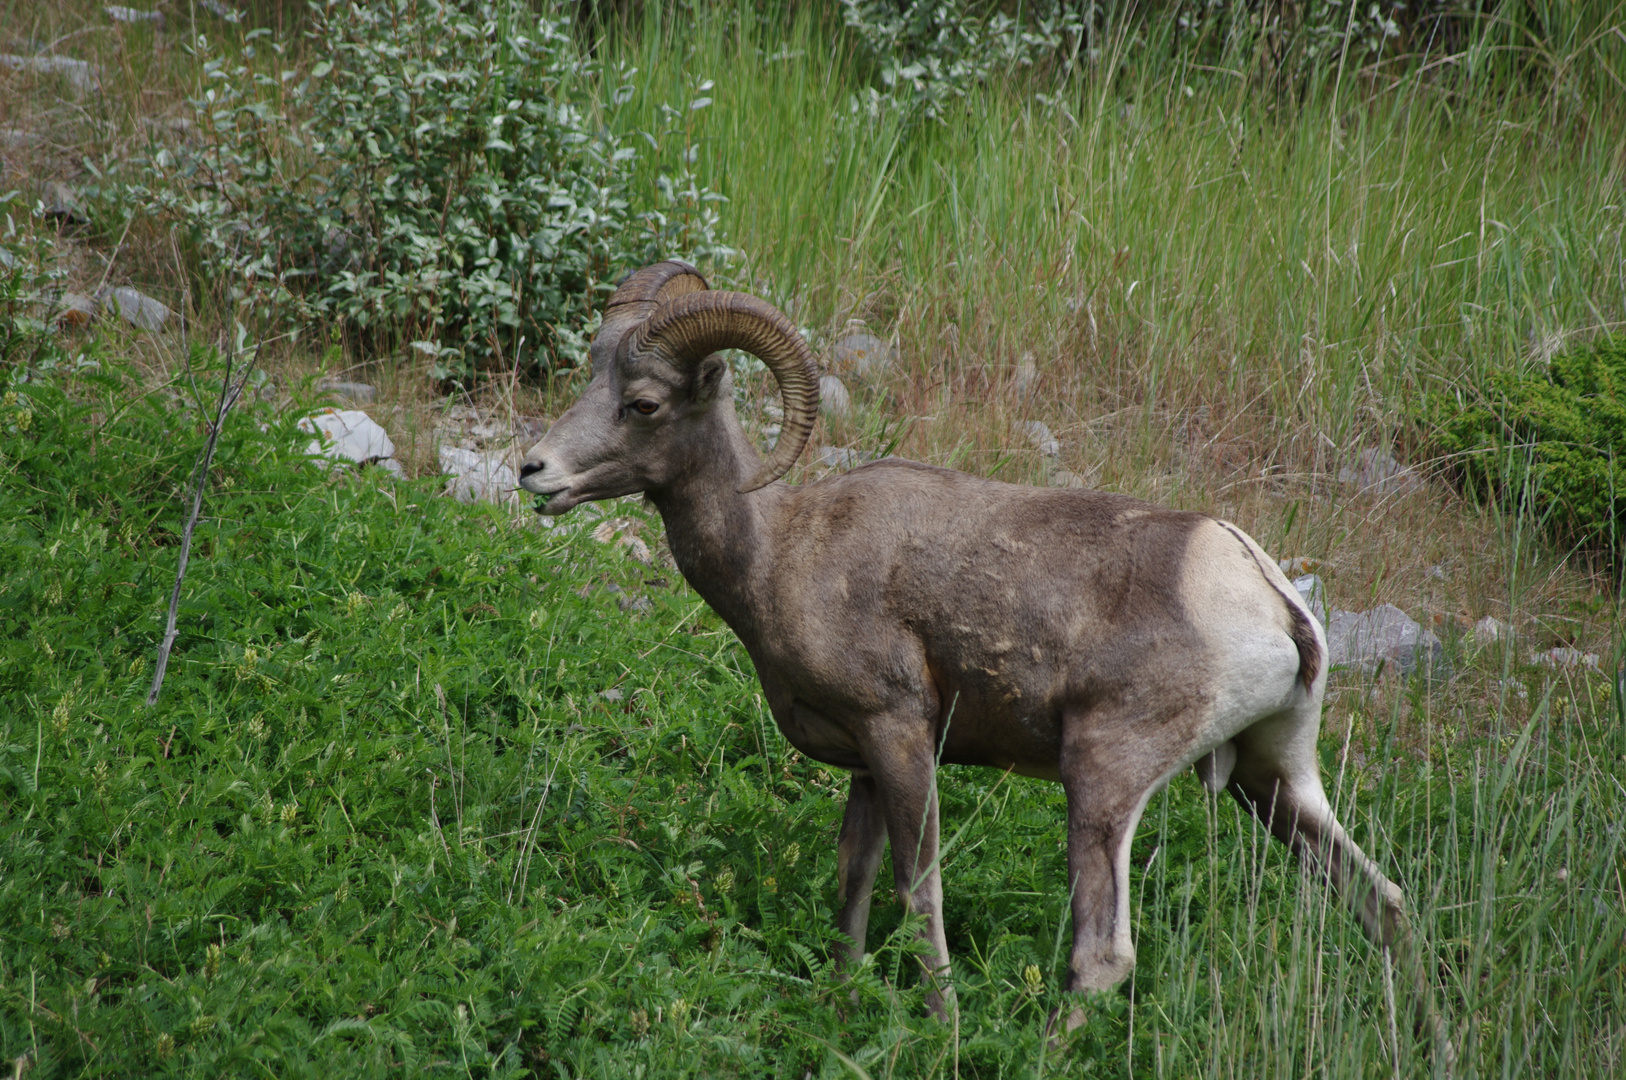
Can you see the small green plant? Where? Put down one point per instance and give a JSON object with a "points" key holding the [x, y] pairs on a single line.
{"points": [[29, 282], [1552, 441], [444, 175]]}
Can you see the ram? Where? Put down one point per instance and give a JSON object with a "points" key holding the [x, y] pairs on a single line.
{"points": [[901, 616]]}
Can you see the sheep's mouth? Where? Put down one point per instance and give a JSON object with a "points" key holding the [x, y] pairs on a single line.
{"points": [[543, 498]]}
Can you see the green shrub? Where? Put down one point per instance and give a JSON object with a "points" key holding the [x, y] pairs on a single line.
{"points": [[443, 174], [1552, 441], [29, 280]]}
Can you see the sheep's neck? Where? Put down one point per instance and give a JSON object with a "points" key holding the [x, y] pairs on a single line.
{"points": [[715, 533]]}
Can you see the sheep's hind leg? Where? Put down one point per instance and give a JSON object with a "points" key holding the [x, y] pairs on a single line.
{"points": [[858, 857], [1278, 779]]}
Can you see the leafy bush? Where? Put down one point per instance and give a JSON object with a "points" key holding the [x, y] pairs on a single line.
{"points": [[1553, 441], [446, 175], [29, 282], [929, 53]]}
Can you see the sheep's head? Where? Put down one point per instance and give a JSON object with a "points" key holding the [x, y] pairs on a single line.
{"points": [[656, 379]]}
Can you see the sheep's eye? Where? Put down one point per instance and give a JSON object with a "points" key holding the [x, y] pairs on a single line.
{"points": [[645, 407]]}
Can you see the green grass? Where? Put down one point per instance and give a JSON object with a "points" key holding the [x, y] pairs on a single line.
{"points": [[385, 819]]}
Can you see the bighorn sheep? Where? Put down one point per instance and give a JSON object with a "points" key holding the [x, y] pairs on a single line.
{"points": [[902, 615]]}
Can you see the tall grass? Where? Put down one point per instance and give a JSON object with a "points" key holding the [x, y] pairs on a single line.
{"points": [[393, 817], [1300, 271]]}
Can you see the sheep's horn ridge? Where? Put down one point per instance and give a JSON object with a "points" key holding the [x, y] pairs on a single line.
{"points": [[637, 298], [686, 330]]}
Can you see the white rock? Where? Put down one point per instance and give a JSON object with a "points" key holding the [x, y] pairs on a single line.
{"points": [[1061, 478], [80, 74], [833, 397], [1491, 629], [15, 138], [346, 435], [119, 13], [60, 202], [1383, 635], [137, 308], [841, 457], [1314, 593], [1567, 659], [1026, 379], [75, 310], [1039, 434], [624, 531], [476, 476], [215, 7], [393, 467], [864, 354], [1377, 470]]}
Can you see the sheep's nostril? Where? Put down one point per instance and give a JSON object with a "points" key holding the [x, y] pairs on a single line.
{"points": [[531, 467]]}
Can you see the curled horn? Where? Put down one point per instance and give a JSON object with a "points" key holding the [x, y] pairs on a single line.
{"points": [[684, 331], [637, 298]]}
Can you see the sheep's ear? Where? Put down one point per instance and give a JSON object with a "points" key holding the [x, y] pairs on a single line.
{"points": [[708, 378]]}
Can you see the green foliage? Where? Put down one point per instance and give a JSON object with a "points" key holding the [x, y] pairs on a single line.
{"points": [[441, 174], [1552, 441], [422, 795], [928, 54], [29, 283]]}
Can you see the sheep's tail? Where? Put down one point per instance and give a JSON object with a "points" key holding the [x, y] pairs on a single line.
{"points": [[1300, 629]]}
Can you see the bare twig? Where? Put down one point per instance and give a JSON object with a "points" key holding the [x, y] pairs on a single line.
{"points": [[229, 393]]}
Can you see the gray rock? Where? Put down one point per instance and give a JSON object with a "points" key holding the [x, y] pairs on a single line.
{"points": [[1299, 565], [1061, 478], [1377, 470], [476, 477], [530, 429], [357, 393], [1026, 379], [392, 467], [1314, 593], [1438, 572], [75, 310], [80, 74], [1490, 629], [15, 138], [346, 435], [61, 203], [833, 397], [220, 10], [119, 13], [1567, 659], [841, 457], [864, 354], [635, 603], [1385, 635], [137, 308], [1039, 434]]}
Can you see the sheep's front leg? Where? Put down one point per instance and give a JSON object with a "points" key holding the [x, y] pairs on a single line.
{"points": [[1107, 783], [858, 857], [905, 773]]}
